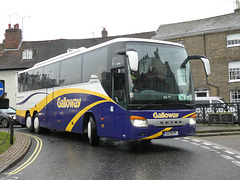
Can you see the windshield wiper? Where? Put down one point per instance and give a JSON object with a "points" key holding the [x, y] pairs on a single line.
{"points": [[145, 105], [190, 105], [187, 105], [152, 102]]}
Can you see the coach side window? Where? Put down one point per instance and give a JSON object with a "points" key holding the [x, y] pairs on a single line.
{"points": [[29, 80], [50, 77], [37, 78], [22, 82], [70, 72], [95, 62]]}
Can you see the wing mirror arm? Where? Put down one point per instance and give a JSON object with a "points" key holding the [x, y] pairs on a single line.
{"points": [[204, 60]]}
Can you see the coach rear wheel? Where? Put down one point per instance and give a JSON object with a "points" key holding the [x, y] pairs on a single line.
{"points": [[36, 124], [29, 123], [92, 132]]}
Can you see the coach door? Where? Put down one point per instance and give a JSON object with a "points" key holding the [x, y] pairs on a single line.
{"points": [[119, 96]]}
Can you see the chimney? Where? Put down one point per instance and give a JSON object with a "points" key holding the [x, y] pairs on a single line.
{"points": [[104, 33], [237, 6], [13, 37]]}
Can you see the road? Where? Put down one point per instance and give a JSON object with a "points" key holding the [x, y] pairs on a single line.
{"points": [[232, 141], [67, 156]]}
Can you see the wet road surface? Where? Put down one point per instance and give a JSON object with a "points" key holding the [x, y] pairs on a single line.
{"points": [[68, 156]]}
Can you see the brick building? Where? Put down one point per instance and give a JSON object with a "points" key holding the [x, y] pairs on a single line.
{"points": [[17, 55], [219, 39]]}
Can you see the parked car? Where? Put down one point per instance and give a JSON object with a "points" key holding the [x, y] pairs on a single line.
{"points": [[6, 115], [213, 104], [209, 100]]}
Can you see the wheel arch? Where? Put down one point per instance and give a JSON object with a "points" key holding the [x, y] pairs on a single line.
{"points": [[34, 113], [27, 112]]}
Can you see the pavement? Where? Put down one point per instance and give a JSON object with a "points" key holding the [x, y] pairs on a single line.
{"points": [[22, 143], [16, 152], [217, 130]]}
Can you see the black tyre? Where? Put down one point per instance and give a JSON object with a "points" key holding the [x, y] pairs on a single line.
{"points": [[36, 124], [29, 123], [5, 123], [92, 132]]}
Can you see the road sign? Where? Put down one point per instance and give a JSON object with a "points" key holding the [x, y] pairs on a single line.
{"points": [[1, 88]]}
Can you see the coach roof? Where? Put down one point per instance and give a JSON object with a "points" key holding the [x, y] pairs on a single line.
{"points": [[82, 50]]}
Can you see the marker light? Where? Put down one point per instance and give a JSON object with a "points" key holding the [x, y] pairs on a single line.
{"points": [[139, 121]]}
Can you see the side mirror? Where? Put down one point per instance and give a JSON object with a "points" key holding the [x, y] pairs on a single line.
{"points": [[206, 65], [133, 59], [204, 60]]}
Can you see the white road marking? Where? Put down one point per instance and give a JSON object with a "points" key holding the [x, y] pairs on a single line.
{"points": [[227, 153]]}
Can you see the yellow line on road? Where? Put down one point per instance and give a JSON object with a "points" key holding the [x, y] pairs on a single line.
{"points": [[32, 157]]}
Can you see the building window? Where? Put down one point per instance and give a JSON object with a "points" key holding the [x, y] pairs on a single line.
{"points": [[233, 40], [235, 96], [201, 92], [234, 71], [27, 54]]}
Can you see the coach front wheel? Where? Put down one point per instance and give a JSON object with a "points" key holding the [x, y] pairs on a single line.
{"points": [[29, 123], [92, 132]]}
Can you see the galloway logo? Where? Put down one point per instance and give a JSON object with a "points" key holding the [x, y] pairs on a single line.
{"points": [[165, 115], [68, 103]]}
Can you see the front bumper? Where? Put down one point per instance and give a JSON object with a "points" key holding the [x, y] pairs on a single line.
{"points": [[153, 132]]}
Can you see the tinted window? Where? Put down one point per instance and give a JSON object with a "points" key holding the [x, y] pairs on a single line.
{"points": [[116, 59], [95, 62], [22, 82], [71, 71], [29, 80], [37, 78], [51, 75]]}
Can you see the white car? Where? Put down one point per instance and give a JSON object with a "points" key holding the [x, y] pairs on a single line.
{"points": [[209, 100]]}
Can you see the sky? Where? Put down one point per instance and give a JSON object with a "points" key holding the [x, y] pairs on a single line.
{"points": [[81, 19]]}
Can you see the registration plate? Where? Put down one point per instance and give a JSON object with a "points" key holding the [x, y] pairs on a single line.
{"points": [[171, 133]]}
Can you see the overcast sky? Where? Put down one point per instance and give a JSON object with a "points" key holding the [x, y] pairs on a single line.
{"points": [[79, 19]]}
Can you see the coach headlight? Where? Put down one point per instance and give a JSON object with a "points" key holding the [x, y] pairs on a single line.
{"points": [[139, 121], [192, 121]]}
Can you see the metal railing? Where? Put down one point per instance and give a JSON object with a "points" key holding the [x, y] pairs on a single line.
{"points": [[218, 113]]}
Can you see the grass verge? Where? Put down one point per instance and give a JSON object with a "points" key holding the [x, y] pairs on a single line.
{"points": [[7, 144]]}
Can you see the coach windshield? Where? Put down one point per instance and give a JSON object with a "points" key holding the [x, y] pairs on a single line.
{"points": [[160, 79]]}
